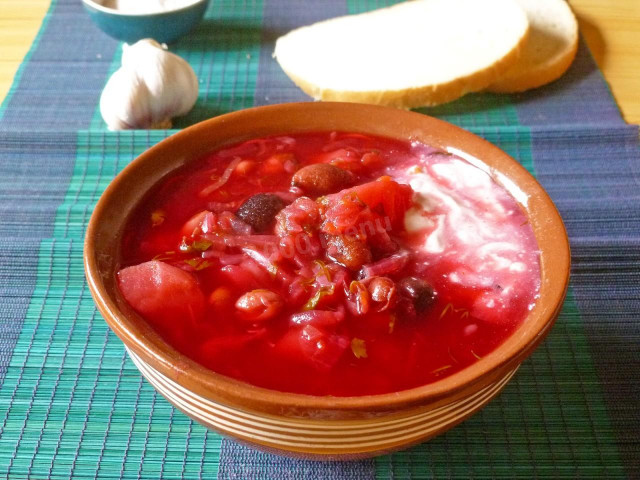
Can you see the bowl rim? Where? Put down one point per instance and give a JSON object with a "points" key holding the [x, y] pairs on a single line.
{"points": [[115, 12], [549, 230]]}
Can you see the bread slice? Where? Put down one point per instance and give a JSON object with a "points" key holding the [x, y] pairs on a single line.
{"points": [[416, 53], [549, 50]]}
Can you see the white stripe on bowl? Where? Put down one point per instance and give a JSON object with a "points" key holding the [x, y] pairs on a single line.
{"points": [[165, 385], [280, 420], [372, 432]]}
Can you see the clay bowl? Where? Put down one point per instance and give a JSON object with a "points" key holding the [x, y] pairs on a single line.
{"points": [[314, 426]]}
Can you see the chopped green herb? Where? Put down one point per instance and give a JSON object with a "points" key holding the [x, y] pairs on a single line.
{"points": [[197, 263], [163, 256], [324, 269], [204, 264], [273, 269], [445, 310], [359, 348], [441, 369], [306, 283], [201, 245], [451, 355], [157, 217], [313, 301], [450, 307]]}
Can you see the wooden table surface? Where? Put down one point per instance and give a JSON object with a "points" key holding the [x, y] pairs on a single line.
{"points": [[611, 29]]}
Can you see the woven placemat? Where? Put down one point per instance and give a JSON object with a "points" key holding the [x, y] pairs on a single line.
{"points": [[72, 405]]}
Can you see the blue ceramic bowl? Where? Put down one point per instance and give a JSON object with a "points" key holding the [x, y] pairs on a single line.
{"points": [[164, 27]]}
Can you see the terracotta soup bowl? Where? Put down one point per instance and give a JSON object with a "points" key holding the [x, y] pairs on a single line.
{"points": [[320, 427]]}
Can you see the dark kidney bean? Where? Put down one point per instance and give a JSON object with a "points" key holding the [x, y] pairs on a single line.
{"points": [[260, 210], [420, 292], [321, 179], [348, 251]]}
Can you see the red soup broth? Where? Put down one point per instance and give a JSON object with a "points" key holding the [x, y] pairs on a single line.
{"points": [[390, 266]]}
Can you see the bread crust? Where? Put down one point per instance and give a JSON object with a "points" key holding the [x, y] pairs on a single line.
{"points": [[427, 95], [523, 77], [535, 79]]}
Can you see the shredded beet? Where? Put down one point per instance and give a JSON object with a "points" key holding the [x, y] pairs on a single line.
{"points": [[331, 263]]}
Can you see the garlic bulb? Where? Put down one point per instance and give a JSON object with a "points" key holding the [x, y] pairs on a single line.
{"points": [[150, 88]]}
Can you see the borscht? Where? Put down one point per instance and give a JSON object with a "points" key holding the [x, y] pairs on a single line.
{"points": [[331, 263]]}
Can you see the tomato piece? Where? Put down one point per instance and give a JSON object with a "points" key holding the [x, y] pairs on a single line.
{"points": [[393, 198], [348, 215], [160, 291], [192, 226], [375, 205], [311, 345], [301, 216], [239, 277], [321, 348], [317, 318]]}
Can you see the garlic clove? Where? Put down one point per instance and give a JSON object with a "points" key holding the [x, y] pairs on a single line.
{"points": [[151, 87]]}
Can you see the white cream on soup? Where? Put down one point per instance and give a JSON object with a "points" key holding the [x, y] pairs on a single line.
{"points": [[463, 217]]}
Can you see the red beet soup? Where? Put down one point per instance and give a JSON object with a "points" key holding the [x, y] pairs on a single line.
{"points": [[331, 263]]}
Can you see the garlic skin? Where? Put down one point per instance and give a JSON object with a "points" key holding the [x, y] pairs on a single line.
{"points": [[150, 88]]}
